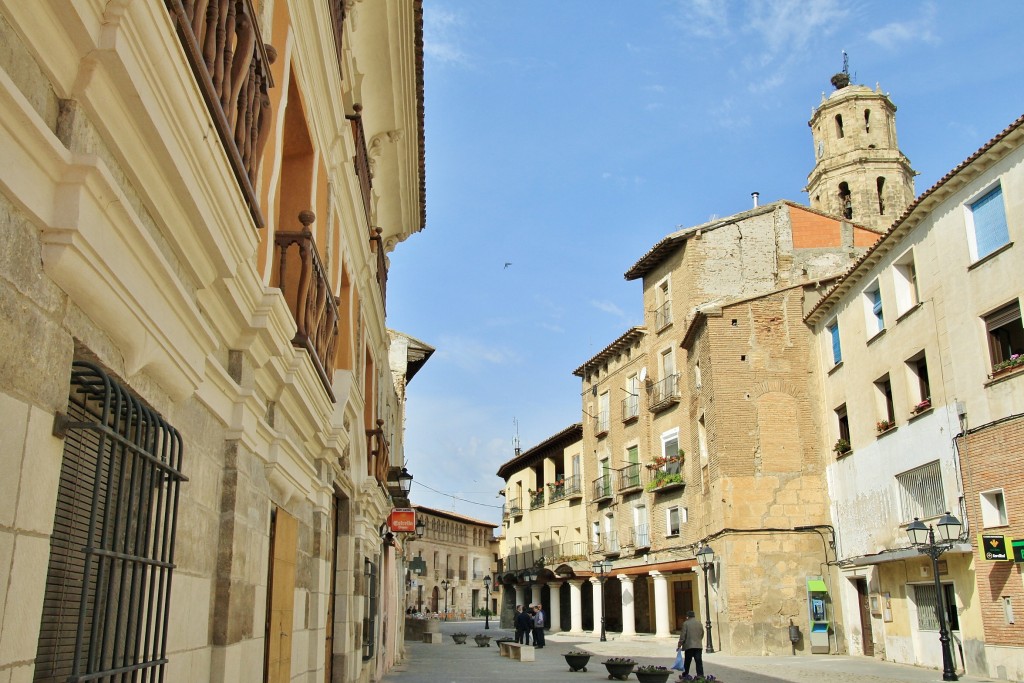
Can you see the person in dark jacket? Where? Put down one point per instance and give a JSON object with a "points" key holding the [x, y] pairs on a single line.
{"points": [[691, 640], [538, 625], [524, 625]]}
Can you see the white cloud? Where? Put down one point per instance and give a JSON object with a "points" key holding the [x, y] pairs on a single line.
{"points": [[607, 307], [441, 36], [898, 34], [472, 354], [704, 18]]}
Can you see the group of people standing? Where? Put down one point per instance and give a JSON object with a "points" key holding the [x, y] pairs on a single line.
{"points": [[530, 621]]}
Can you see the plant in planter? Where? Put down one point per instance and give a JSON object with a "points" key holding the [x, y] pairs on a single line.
{"points": [[662, 478], [482, 640], [1014, 361], [884, 425], [619, 667], [577, 659], [652, 674], [460, 638], [709, 678], [842, 447], [922, 406]]}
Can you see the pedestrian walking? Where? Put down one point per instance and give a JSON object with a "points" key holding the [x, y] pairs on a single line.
{"points": [[538, 625], [691, 642]]}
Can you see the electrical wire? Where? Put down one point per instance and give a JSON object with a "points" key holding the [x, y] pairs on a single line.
{"points": [[448, 495]]}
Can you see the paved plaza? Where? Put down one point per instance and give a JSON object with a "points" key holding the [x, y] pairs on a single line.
{"points": [[451, 663]]}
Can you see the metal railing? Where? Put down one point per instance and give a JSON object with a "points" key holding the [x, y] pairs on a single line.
{"points": [[630, 408], [602, 487], [515, 507], [362, 160], [573, 487], [610, 543], [536, 499], [302, 279], [231, 65], [663, 316], [640, 536], [629, 477], [556, 490], [601, 423], [665, 392]]}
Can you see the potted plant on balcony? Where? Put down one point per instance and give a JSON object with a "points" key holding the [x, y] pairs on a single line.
{"points": [[460, 638], [663, 479], [1014, 361], [577, 659], [922, 406], [652, 674], [842, 448], [884, 425], [619, 667]]}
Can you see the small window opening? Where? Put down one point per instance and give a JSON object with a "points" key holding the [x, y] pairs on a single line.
{"points": [[880, 186], [839, 126], [845, 200], [867, 120]]}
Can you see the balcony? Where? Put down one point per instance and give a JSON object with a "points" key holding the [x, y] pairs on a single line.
{"points": [[556, 490], [610, 544], [537, 499], [231, 66], [302, 279], [629, 478], [601, 423], [663, 316], [573, 487], [665, 394], [362, 161], [602, 488], [462, 575], [515, 507], [630, 408], [640, 537]]}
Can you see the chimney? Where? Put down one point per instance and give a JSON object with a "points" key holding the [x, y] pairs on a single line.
{"points": [[755, 195]]}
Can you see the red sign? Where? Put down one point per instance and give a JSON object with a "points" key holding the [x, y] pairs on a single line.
{"points": [[402, 520]]}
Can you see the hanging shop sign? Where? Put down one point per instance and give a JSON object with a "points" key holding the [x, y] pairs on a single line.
{"points": [[993, 547], [402, 521], [1017, 546]]}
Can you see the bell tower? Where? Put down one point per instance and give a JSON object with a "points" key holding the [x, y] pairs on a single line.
{"points": [[859, 172]]}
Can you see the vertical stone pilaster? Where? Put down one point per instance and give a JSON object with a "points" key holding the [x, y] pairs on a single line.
{"points": [[628, 614], [661, 615], [535, 593], [576, 606], [520, 595], [598, 604], [554, 610]]}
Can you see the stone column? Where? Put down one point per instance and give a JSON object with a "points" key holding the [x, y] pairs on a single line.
{"points": [[535, 592], [554, 610], [520, 595], [661, 621], [576, 606], [598, 598], [628, 605]]}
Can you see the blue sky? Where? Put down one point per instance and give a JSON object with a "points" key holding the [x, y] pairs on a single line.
{"points": [[566, 137]]}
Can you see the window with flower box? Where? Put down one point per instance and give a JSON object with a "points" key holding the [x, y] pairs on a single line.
{"points": [[1005, 338]]}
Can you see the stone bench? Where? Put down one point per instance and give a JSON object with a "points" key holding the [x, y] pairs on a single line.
{"points": [[433, 638], [523, 653]]}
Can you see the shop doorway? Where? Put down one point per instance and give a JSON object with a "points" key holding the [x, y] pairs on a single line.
{"points": [[867, 638], [682, 602]]}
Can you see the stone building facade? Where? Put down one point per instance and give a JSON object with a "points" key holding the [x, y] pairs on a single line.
{"points": [[200, 420], [459, 551], [919, 347]]}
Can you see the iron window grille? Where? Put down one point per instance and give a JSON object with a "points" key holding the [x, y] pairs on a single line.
{"points": [[108, 582]]}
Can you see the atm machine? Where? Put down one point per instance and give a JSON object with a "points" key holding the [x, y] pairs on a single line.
{"points": [[817, 615]]}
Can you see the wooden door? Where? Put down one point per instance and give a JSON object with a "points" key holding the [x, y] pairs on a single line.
{"points": [[682, 602], [281, 597], [866, 635]]}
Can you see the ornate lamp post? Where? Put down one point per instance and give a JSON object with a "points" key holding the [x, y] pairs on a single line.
{"points": [[487, 602], [600, 568], [706, 558], [405, 482], [445, 583], [923, 537], [421, 528]]}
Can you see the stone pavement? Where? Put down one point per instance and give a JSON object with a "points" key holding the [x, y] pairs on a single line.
{"points": [[451, 663]]}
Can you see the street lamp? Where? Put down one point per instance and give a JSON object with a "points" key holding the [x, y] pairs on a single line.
{"points": [[487, 602], [600, 568], [923, 537], [421, 528], [445, 584], [405, 482], [706, 558]]}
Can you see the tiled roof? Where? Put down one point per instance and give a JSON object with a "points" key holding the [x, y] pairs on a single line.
{"points": [[624, 340]]}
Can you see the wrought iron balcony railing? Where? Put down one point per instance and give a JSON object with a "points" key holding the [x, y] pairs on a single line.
{"points": [[362, 161], [663, 316], [556, 490], [302, 279], [665, 393], [601, 423], [640, 536], [630, 408], [629, 477], [536, 499], [231, 65], [573, 487], [603, 487], [515, 507]]}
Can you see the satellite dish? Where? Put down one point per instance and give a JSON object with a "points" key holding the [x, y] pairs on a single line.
{"points": [[643, 374]]}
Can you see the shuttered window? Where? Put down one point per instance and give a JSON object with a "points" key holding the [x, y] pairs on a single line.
{"points": [[837, 351], [921, 492], [370, 620], [1005, 333], [108, 581], [927, 620], [989, 218]]}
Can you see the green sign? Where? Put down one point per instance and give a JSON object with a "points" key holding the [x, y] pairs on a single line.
{"points": [[1018, 550], [418, 565], [993, 547]]}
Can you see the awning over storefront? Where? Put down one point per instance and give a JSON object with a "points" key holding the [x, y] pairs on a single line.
{"points": [[902, 554]]}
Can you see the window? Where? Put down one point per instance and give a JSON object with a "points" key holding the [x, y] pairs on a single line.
{"points": [[845, 200], [106, 527], [919, 384], [696, 374], [663, 306], [879, 190], [867, 120], [1008, 610], [924, 597], [670, 450], [631, 404], [837, 349], [839, 126], [873, 306], [674, 518], [641, 527], [905, 283], [883, 389], [993, 508], [986, 224], [843, 423], [1005, 335], [602, 413], [921, 492], [595, 534]]}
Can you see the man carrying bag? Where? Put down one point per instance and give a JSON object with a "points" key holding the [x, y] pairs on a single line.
{"points": [[691, 640]]}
